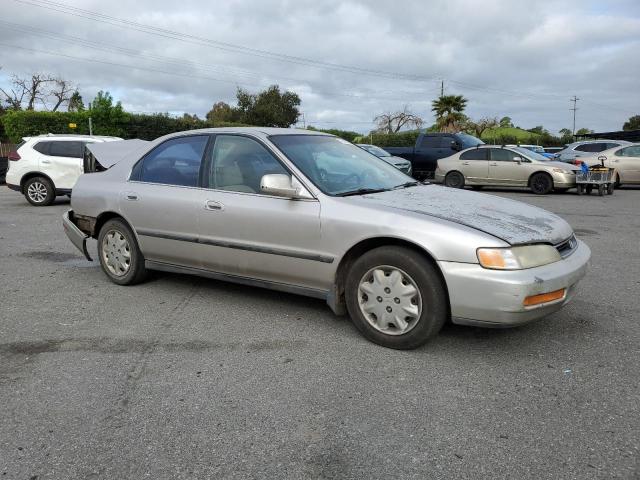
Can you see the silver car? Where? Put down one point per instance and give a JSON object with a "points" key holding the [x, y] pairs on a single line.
{"points": [[587, 148], [400, 163], [249, 205], [487, 165]]}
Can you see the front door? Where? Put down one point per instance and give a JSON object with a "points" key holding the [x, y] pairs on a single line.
{"points": [[474, 165], [253, 235], [504, 169], [162, 200]]}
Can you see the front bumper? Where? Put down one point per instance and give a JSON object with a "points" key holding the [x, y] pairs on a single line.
{"points": [[77, 236], [564, 180], [494, 298]]}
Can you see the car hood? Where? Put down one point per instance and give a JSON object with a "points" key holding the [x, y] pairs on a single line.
{"points": [[509, 220], [395, 160]]}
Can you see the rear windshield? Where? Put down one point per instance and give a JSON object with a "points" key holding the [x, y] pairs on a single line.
{"points": [[468, 141]]}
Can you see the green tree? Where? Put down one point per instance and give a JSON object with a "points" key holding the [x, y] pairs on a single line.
{"points": [[583, 131], [270, 108], [539, 129], [505, 122], [223, 112], [75, 103], [632, 124], [107, 118], [448, 110]]}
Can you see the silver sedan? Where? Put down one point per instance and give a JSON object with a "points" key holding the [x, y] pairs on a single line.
{"points": [[254, 206], [490, 165]]}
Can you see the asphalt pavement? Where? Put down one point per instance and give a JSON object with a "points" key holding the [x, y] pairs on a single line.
{"points": [[184, 377]]}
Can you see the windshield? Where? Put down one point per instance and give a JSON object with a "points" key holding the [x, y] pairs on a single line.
{"points": [[338, 167], [530, 154], [468, 141], [377, 151]]}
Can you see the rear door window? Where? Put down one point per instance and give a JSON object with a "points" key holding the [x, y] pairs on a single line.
{"points": [[63, 148], [431, 141], [174, 162], [475, 154], [591, 147], [42, 147], [503, 155]]}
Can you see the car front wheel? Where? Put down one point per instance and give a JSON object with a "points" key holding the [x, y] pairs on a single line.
{"points": [[39, 191], [120, 256], [541, 184], [396, 297]]}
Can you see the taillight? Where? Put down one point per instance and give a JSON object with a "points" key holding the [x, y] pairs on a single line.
{"points": [[13, 156], [577, 162]]}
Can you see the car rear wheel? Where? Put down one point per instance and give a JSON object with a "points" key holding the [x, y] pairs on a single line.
{"points": [[396, 298], [617, 181], [541, 184], [120, 256], [39, 191], [454, 180]]}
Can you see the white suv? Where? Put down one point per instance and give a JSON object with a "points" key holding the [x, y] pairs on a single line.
{"points": [[47, 166]]}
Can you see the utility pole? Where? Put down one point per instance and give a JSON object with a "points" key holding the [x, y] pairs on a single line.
{"points": [[90, 127], [441, 88], [304, 121], [575, 101]]}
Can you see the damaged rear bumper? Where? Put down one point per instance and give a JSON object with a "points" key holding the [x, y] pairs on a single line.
{"points": [[77, 236]]}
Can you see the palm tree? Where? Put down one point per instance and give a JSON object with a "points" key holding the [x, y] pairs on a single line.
{"points": [[448, 110]]}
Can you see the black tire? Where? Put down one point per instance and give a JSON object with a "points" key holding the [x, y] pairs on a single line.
{"points": [[610, 188], [580, 189], [136, 272], [541, 183], [617, 183], [429, 284], [601, 190], [39, 191], [589, 189], [454, 180]]}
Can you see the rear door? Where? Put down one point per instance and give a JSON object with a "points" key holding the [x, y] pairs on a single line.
{"points": [[504, 169], [474, 165], [63, 163], [246, 233], [163, 198], [626, 161], [430, 150]]}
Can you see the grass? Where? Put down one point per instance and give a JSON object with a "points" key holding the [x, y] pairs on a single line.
{"points": [[517, 133]]}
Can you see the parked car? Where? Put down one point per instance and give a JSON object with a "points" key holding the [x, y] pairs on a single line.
{"points": [[488, 165], [537, 149], [430, 147], [47, 166], [400, 163], [625, 160], [248, 205], [587, 148], [554, 150]]}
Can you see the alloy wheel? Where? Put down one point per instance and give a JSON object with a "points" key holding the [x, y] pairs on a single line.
{"points": [[37, 192]]}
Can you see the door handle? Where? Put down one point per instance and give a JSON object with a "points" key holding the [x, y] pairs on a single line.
{"points": [[132, 196], [213, 205], [465, 163], [46, 161], [493, 164]]}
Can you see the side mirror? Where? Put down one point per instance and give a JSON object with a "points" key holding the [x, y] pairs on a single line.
{"points": [[455, 146], [518, 160], [279, 185]]}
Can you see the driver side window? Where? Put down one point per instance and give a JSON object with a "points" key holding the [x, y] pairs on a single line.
{"points": [[239, 163]]}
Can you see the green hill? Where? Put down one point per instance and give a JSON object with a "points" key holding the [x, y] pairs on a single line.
{"points": [[509, 135]]}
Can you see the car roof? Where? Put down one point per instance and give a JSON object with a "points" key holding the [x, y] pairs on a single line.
{"points": [[69, 136], [600, 140]]}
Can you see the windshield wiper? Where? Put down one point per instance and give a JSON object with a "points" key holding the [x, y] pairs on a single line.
{"points": [[361, 191], [406, 185]]}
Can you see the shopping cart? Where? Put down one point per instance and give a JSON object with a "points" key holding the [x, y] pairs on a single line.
{"points": [[598, 177]]}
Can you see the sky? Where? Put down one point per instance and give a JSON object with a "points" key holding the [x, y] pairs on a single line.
{"points": [[348, 60]]}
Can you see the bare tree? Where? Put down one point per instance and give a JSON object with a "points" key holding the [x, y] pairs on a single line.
{"points": [[480, 126], [389, 122], [62, 92], [27, 90]]}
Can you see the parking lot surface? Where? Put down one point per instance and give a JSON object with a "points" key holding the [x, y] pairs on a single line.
{"points": [[184, 377]]}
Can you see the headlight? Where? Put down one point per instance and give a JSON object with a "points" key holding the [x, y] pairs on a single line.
{"points": [[561, 170], [517, 258]]}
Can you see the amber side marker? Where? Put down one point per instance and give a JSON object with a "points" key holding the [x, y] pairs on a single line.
{"points": [[543, 298]]}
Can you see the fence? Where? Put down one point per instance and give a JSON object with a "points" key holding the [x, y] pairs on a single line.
{"points": [[5, 148]]}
